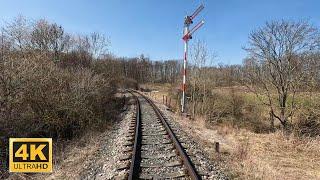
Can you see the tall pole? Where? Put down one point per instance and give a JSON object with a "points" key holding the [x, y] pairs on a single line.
{"points": [[183, 99], [186, 36], [2, 47]]}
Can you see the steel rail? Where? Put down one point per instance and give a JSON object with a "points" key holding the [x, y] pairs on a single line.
{"points": [[185, 158], [136, 152]]}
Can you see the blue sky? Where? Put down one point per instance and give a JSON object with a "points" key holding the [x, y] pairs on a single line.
{"points": [[154, 27]]}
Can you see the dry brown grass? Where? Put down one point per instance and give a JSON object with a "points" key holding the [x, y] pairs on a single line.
{"points": [[78, 153], [273, 156], [158, 91], [248, 155]]}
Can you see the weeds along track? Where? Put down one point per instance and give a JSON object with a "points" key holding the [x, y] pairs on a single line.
{"points": [[156, 153]]}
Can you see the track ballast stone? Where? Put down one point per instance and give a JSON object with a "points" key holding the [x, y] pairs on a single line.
{"points": [[207, 168]]}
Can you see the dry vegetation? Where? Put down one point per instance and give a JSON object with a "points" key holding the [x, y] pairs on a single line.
{"points": [[49, 86], [62, 85], [265, 112], [250, 155], [248, 147], [273, 156]]}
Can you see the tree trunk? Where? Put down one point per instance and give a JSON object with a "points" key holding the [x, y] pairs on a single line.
{"points": [[194, 110], [193, 98], [283, 100], [203, 98], [271, 121]]}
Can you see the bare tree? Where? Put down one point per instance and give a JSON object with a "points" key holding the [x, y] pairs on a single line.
{"points": [[98, 44], [48, 38], [200, 57], [17, 33], [274, 71]]}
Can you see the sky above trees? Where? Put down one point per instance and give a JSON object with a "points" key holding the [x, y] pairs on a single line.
{"points": [[154, 27]]}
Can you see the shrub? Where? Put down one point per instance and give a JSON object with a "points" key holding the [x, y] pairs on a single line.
{"points": [[235, 109], [40, 99], [48, 85], [308, 124]]}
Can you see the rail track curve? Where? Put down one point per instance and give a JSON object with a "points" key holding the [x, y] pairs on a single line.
{"points": [[156, 151]]}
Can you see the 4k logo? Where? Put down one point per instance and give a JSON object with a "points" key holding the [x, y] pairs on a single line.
{"points": [[30, 155]]}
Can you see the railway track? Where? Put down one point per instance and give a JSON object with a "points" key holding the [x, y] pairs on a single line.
{"points": [[156, 151]]}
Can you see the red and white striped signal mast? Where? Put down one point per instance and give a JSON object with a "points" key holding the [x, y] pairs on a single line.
{"points": [[187, 35]]}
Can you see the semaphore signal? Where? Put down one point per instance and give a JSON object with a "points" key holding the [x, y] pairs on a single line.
{"points": [[187, 35]]}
